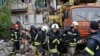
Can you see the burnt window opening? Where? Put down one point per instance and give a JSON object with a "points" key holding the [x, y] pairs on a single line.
{"points": [[23, 0], [26, 1], [64, 1]]}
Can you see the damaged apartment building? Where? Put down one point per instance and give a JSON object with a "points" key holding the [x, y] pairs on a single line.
{"points": [[32, 12], [29, 12]]}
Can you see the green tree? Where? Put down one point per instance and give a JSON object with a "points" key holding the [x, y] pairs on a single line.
{"points": [[5, 20]]}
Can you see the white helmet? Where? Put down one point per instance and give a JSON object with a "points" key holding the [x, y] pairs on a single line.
{"points": [[45, 28], [27, 28], [75, 23], [55, 26]]}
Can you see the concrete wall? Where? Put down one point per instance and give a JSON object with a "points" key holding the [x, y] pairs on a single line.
{"points": [[28, 20], [30, 9]]}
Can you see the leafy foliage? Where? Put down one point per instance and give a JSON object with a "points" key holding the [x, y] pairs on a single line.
{"points": [[5, 21]]}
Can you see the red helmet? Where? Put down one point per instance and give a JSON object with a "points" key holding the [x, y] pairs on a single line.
{"points": [[15, 26]]}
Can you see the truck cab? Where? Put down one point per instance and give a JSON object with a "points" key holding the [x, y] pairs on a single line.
{"points": [[83, 14]]}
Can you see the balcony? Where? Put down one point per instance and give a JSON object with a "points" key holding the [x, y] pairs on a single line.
{"points": [[19, 7]]}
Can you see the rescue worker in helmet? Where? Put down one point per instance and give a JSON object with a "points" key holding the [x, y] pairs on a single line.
{"points": [[53, 40], [93, 43], [71, 36], [33, 32], [20, 26], [40, 40], [16, 37]]}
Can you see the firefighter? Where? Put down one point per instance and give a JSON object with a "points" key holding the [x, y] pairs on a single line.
{"points": [[54, 39], [16, 37], [33, 32], [20, 26], [93, 42], [39, 40], [71, 36]]}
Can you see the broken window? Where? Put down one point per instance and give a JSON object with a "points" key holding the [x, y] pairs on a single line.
{"points": [[18, 18], [26, 1], [26, 19]]}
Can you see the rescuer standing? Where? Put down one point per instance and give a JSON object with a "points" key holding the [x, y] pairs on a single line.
{"points": [[72, 36], [54, 39], [93, 42], [16, 37], [39, 40]]}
